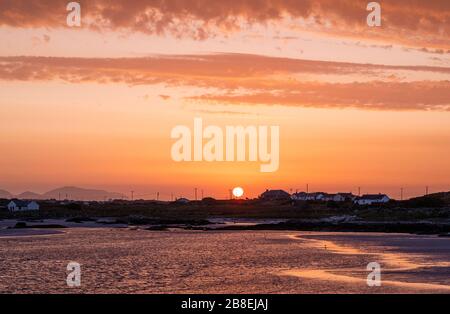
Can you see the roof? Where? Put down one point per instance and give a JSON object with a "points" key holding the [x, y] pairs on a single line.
{"points": [[373, 196], [20, 203], [275, 194], [308, 194], [269, 193], [346, 194]]}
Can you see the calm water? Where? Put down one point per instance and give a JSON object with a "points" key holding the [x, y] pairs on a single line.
{"points": [[138, 261]]}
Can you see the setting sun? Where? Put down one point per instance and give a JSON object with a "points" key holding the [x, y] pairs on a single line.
{"points": [[238, 191]]}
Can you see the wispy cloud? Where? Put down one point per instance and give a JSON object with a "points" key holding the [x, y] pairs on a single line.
{"points": [[252, 79], [372, 95]]}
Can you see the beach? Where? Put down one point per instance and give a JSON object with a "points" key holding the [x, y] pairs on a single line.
{"points": [[123, 260]]}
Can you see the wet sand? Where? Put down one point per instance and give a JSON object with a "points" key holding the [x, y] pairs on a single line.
{"points": [[392, 260], [137, 261]]}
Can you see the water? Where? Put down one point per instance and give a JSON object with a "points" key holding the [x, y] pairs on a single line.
{"points": [[137, 261]]}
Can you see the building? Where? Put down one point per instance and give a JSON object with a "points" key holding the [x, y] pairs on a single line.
{"points": [[302, 196], [182, 200], [347, 197], [299, 196], [339, 197], [17, 206], [330, 197], [325, 197], [369, 199], [272, 195]]}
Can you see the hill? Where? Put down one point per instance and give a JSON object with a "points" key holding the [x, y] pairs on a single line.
{"points": [[29, 196], [75, 193], [440, 199], [5, 194]]}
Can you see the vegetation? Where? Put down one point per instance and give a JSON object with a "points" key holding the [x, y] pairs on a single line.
{"points": [[435, 206]]}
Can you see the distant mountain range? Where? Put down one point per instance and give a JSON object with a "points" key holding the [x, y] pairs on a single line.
{"points": [[68, 192], [5, 194]]}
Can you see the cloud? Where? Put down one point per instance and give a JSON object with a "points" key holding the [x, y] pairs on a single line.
{"points": [[422, 95], [164, 97], [414, 23], [252, 79], [185, 68]]}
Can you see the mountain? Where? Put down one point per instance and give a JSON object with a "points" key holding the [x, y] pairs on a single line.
{"points": [[75, 193], [5, 194], [29, 196]]}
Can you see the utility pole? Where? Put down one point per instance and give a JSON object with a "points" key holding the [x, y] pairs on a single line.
{"points": [[132, 195], [359, 191], [307, 188], [202, 194], [157, 196], [171, 197], [401, 194], [195, 192]]}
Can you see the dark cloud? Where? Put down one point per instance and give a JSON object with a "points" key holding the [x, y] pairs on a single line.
{"points": [[411, 22]]}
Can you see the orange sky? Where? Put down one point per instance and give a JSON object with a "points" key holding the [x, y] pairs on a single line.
{"points": [[94, 106]]}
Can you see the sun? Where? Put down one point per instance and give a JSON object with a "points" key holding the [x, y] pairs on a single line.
{"points": [[238, 191]]}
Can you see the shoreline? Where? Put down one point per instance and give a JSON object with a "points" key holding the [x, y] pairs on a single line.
{"points": [[338, 224], [395, 261]]}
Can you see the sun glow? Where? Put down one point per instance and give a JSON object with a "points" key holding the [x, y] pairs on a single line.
{"points": [[238, 191]]}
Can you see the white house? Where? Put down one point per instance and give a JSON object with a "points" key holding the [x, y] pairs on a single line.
{"points": [[369, 199], [17, 206], [302, 196], [346, 197], [329, 197], [299, 196], [320, 196]]}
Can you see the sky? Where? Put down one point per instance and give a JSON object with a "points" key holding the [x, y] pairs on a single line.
{"points": [[94, 105]]}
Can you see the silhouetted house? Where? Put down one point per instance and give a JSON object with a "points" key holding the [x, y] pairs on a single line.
{"points": [[17, 206], [273, 195], [182, 200], [369, 199]]}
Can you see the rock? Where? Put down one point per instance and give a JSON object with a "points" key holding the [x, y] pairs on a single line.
{"points": [[20, 225]]}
